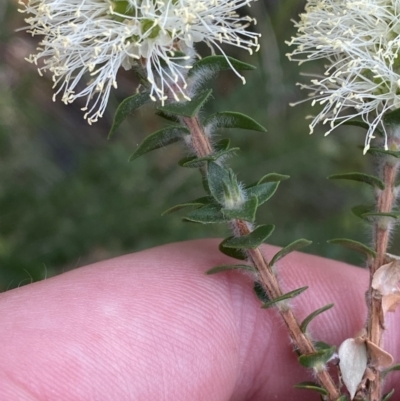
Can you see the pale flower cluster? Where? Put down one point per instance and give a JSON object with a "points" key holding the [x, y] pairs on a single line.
{"points": [[95, 38], [361, 41]]}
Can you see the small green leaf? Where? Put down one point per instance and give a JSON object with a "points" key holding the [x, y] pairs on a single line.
{"points": [[208, 214], [219, 63], [222, 144], [252, 240], [194, 162], [232, 252], [311, 316], [354, 245], [383, 152], [361, 177], [272, 177], [263, 191], [125, 108], [391, 369], [224, 268], [186, 108], [260, 292], [361, 124], [218, 177], [342, 398], [360, 210], [392, 117], [393, 215], [388, 396], [311, 386], [231, 119], [159, 139], [205, 200], [294, 246], [246, 212], [321, 345], [168, 117], [284, 297], [317, 358]]}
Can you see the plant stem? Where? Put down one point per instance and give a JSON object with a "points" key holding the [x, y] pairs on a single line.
{"points": [[202, 147], [375, 323]]}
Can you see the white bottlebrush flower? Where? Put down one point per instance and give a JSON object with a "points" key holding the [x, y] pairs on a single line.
{"points": [[97, 37], [361, 41]]}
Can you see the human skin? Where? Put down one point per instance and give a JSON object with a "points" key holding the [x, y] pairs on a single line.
{"points": [[152, 326]]}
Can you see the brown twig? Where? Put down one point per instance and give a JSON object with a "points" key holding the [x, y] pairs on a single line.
{"points": [[202, 147], [375, 322]]}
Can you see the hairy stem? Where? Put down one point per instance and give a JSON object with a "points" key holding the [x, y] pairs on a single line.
{"points": [[375, 323], [202, 147]]}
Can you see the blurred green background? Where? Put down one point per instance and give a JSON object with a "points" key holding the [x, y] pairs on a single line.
{"points": [[69, 197]]}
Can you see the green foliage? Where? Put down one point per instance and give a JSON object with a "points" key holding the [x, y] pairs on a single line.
{"points": [[246, 211], [218, 178], [219, 63], [251, 241], [159, 139], [260, 292], [311, 386], [311, 316], [208, 214], [205, 200], [360, 177], [230, 119], [355, 246], [263, 191], [284, 297], [391, 369], [360, 210], [126, 107], [383, 152], [318, 358], [196, 162], [392, 118], [232, 252], [186, 108], [294, 246], [224, 268], [388, 396]]}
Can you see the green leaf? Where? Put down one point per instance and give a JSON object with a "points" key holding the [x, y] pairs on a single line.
{"points": [[218, 177], [383, 152], [311, 316], [284, 297], [392, 117], [388, 396], [231, 119], [205, 200], [391, 369], [232, 252], [294, 246], [311, 386], [263, 191], [317, 358], [222, 144], [224, 268], [342, 398], [354, 245], [272, 177], [219, 63], [208, 214], [186, 108], [393, 215], [361, 177], [194, 162], [159, 139], [168, 117], [252, 240], [247, 211], [360, 210], [260, 292], [361, 124], [125, 108]]}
